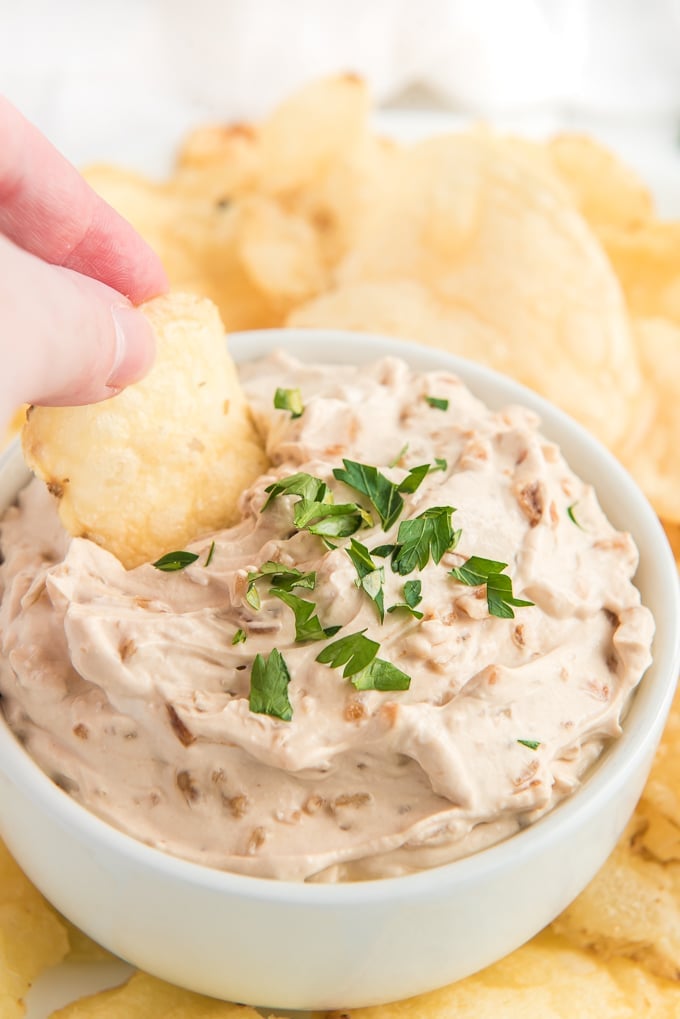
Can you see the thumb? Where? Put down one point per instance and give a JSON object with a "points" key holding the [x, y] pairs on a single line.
{"points": [[64, 338]]}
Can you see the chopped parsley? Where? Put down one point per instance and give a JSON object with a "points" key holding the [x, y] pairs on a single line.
{"points": [[440, 464], [381, 675], [307, 625], [428, 534], [412, 597], [302, 484], [355, 652], [283, 577], [402, 452], [532, 744], [239, 637], [289, 399], [269, 681], [173, 561], [329, 519], [499, 597], [382, 493], [370, 578], [414, 479], [438, 402], [570, 514], [211, 553]]}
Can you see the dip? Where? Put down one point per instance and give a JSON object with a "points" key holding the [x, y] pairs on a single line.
{"points": [[179, 706]]}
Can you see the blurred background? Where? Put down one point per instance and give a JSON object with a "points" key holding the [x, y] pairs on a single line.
{"points": [[123, 82]]}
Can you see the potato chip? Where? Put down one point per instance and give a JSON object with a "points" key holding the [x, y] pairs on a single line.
{"points": [[81, 947], [514, 266], [164, 461], [546, 978], [32, 937], [145, 997], [606, 191], [219, 163], [306, 133], [647, 263], [632, 907], [651, 450]]}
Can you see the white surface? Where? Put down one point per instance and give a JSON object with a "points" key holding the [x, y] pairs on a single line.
{"points": [[467, 914]]}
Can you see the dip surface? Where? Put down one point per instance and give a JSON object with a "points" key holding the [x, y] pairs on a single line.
{"points": [[128, 690]]}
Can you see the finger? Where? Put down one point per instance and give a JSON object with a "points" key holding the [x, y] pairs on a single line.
{"points": [[47, 208], [66, 338]]}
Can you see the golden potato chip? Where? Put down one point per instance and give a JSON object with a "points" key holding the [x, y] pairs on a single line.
{"points": [[651, 450], [515, 266], [673, 535], [632, 906], [81, 947], [32, 937], [164, 461], [605, 190], [546, 978], [14, 426], [219, 162], [302, 138], [145, 997], [647, 263]]}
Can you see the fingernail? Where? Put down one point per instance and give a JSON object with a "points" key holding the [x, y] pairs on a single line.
{"points": [[135, 347]]}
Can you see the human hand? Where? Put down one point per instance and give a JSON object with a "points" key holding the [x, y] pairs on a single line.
{"points": [[71, 271]]}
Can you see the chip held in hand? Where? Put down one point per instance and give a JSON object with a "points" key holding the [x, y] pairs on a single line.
{"points": [[166, 460]]}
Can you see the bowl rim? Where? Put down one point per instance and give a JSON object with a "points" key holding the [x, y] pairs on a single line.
{"points": [[611, 771]]}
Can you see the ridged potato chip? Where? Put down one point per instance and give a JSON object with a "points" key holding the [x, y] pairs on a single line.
{"points": [[164, 461], [32, 937], [546, 978], [145, 997]]}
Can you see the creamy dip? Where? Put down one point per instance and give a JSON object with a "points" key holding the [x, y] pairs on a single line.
{"points": [[131, 689]]}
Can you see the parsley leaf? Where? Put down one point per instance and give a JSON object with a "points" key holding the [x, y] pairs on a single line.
{"points": [[412, 597], [383, 551], [269, 681], [438, 402], [239, 637], [211, 553], [307, 625], [289, 399], [284, 577], [570, 514], [381, 675], [330, 519], [382, 493], [355, 652], [440, 464], [532, 744], [302, 484], [414, 479], [429, 534], [499, 597], [173, 561], [370, 578]]}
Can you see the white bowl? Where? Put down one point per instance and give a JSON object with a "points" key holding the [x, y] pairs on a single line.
{"points": [[303, 946]]}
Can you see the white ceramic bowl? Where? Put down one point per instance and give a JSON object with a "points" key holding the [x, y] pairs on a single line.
{"points": [[289, 945]]}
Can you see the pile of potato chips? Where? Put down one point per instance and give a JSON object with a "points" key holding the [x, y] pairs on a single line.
{"points": [[544, 261]]}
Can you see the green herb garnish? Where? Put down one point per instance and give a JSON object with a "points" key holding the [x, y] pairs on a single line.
{"points": [[440, 464], [211, 553], [239, 637], [370, 578], [402, 452], [269, 681], [283, 577], [429, 534], [355, 652], [412, 597], [532, 744], [289, 399], [383, 551], [437, 402], [570, 514], [382, 493], [175, 561], [307, 625], [414, 479], [330, 520], [381, 675], [302, 484], [499, 597]]}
